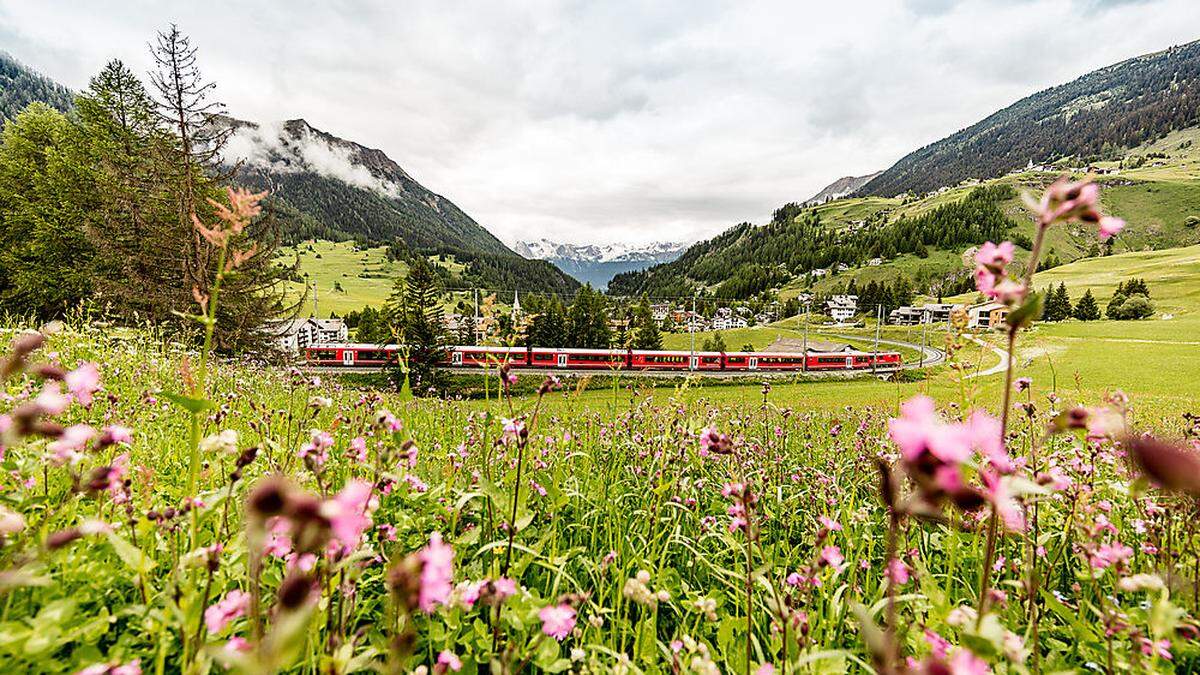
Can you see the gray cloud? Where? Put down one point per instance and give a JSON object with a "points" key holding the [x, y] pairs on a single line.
{"points": [[603, 122]]}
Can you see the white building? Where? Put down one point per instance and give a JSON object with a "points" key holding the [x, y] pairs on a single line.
{"points": [[931, 313], [294, 335], [842, 308], [987, 315], [728, 322]]}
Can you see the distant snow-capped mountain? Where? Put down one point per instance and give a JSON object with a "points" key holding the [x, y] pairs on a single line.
{"points": [[598, 264]]}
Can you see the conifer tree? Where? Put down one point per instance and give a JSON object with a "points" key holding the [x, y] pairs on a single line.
{"points": [[587, 321], [415, 313], [1087, 309], [645, 329]]}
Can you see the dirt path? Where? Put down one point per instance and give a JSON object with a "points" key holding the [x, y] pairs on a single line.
{"points": [[999, 367]]}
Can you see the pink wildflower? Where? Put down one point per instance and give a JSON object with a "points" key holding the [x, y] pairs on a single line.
{"points": [[1106, 555], [1110, 226], [66, 448], [832, 556], [939, 645], [1006, 506], [1162, 648], [233, 605], [134, 667], [51, 400], [897, 572], [504, 587], [448, 660], [358, 449], [765, 669], [83, 383], [236, 645], [557, 620], [964, 662], [348, 513], [437, 572], [114, 434], [279, 541], [829, 524], [317, 449]]}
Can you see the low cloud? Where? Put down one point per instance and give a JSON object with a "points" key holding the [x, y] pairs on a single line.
{"points": [[270, 146]]}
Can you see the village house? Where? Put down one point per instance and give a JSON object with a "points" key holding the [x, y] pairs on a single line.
{"points": [[728, 322], [987, 315], [296, 334], [842, 308]]}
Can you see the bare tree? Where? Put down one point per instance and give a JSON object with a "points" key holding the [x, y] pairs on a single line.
{"points": [[186, 108]]}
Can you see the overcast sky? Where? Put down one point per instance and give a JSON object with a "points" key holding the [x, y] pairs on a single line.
{"points": [[610, 121]]}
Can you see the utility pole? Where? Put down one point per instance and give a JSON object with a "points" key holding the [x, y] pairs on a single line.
{"points": [[692, 330], [475, 327], [316, 313], [924, 324], [804, 363], [878, 325]]}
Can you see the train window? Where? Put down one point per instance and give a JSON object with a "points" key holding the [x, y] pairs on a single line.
{"points": [[324, 354]]}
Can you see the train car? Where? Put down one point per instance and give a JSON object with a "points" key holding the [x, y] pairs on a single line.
{"points": [[675, 360], [582, 359], [830, 361], [777, 361], [462, 356], [889, 359], [350, 355]]}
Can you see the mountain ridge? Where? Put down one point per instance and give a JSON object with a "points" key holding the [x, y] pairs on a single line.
{"points": [[842, 187], [21, 85], [1091, 117], [354, 192]]}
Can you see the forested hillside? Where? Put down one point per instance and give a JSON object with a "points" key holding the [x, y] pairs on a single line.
{"points": [[20, 86], [747, 259], [1093, 117]]}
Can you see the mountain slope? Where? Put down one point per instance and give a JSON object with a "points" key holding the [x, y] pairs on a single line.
{"points": [[20, 86], [597, 265], [350, 191], [840, 188], [1090, 118]]}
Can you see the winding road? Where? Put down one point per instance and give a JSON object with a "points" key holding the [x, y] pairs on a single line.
{"points": [[999, 367]]}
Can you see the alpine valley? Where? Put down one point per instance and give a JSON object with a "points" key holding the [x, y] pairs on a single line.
{"points": [[596, 264]]}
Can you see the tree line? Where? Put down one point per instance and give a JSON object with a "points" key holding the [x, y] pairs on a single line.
{"points": [[97, 205], [1130, 301]]}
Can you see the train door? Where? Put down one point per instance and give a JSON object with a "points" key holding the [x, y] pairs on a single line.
{"points": [[347, 357], [456, 358], [694, 362], [752, 363], [849, 361], [562, 360]]}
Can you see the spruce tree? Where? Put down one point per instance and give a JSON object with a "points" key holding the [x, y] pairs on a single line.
{"points": [[549, 326], [1087, 309], [645, 329], [415, 313], [1058, 304], [587, 321]]}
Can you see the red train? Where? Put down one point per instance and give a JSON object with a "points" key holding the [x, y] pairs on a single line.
{"points": [[374, 356]]}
